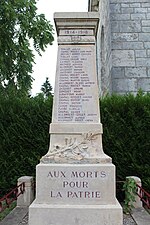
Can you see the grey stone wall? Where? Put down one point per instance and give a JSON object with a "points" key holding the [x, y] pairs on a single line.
{"points": [[130, 34], [104, 62]]}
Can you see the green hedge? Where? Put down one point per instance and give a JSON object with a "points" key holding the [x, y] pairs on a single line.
{"points": [[126, 138], [24, 135]]}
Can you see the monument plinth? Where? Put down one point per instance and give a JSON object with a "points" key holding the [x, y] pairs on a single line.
{"points": [[75, 180]]}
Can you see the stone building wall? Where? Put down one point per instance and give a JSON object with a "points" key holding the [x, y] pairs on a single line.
{"points": [[104, 62], [123, 51], [130, 27]]}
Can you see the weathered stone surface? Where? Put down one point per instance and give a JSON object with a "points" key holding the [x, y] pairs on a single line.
{"points": [[135, 72], [135, 5], [148, 52], [117, 45], [125, 5], [144, 37], [118, 72], [144, 84], [140, 53], [125, 85], [143, 62], [120, 16], [125, 36], [130, 33], [147, 45], [146, 5], [115, 26], [140, 10], [104, 58], [123, 58], [146, 23], [127, 10], [146, 29], [132, 45], [148, 16], [115, 8], [130, 29], [130, 26], [148, 72], [138, 16]]}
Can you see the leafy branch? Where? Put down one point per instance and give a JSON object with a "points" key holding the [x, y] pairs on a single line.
{"points": [[72, 144], [130, 189]]}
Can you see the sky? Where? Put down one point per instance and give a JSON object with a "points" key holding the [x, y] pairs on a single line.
{"points": [[45, 66]]}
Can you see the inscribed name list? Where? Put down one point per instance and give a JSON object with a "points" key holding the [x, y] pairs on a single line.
{"points": [[76, 88]]}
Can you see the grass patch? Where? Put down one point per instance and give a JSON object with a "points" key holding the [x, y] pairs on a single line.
{"points": [[7, 211]]}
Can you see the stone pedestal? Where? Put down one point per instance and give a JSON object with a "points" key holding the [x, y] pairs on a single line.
{"points": [[47, 214], [75, 194], [75, 181]]}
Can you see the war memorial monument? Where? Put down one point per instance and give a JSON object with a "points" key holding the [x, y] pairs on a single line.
{"points": [[75, 180]]}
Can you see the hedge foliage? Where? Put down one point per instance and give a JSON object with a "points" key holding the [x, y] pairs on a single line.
{"points": [[24, 135], [126, 137]]}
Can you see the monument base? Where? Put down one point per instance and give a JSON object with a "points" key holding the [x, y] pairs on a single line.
{"points": [[45, 214], [75, 194]]}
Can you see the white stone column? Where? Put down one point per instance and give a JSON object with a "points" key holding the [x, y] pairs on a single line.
{"points": [[27, 197], [76, 110]]}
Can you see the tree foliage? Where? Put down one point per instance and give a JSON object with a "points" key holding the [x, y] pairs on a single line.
{"points": [[20, 25], [46, 88]]}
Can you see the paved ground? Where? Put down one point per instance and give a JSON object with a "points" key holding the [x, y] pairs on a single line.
{"points": [[19, 216]]}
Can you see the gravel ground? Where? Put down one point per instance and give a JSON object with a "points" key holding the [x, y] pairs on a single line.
{"points": [[127, 220]]}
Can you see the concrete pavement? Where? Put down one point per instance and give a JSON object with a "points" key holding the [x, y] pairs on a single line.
{"points": [[19, 216]]}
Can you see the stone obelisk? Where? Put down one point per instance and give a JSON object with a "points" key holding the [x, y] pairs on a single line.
{"points": [[75, 180]]}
